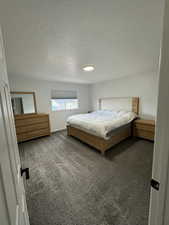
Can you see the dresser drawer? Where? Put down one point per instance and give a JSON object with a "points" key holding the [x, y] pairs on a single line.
{"points": [[144, 134], [33, 134], [144, 127], [33, 127], [31, 121]]}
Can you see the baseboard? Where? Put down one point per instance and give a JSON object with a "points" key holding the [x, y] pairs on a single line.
{"points": [[57, 130]]}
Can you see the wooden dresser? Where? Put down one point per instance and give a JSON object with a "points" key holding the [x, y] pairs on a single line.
{"points": [[31, 126], [144, 129]]}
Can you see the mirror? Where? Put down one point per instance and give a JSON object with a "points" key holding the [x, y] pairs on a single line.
{"points": [[23, 103]]}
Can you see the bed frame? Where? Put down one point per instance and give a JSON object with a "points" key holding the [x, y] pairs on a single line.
{"points": [[99, 143]]}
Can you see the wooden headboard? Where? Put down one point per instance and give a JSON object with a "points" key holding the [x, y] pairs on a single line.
{"points": [[120, 103]]}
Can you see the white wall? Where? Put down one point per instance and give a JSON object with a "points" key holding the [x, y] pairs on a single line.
{"points": [[144, 86], [43, 89]]}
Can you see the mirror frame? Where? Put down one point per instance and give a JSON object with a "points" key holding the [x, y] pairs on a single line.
{"points": [[24, 93]]}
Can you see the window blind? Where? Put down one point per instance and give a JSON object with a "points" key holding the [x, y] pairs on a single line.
{"points": [[55, 94]]}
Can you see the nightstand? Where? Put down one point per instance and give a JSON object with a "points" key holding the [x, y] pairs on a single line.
{"points": [[144, 129]]}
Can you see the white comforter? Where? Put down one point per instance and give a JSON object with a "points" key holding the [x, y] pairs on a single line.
{"points": [[101, 123]]}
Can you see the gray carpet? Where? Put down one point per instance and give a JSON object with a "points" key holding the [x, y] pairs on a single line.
{"points": [[73, 184]]}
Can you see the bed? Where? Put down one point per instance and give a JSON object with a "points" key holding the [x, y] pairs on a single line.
{"points": [[108, 126]]}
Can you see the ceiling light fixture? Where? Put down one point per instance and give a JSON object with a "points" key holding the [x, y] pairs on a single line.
{"points": [[88, 68]]}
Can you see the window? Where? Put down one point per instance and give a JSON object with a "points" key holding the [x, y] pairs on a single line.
{"points": [[64, 100], [64, 104]]}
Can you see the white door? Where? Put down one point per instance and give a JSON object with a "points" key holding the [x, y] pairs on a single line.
{"points": [[13, 209], [158, 203]]}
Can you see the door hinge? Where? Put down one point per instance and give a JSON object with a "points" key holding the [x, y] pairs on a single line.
{"points": [[155, 184]]}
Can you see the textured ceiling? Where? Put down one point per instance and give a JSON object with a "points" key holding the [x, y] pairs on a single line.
{"points": [[53, 39]]}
